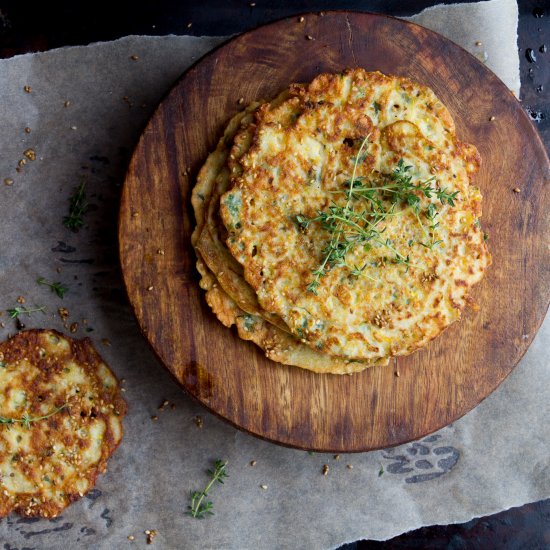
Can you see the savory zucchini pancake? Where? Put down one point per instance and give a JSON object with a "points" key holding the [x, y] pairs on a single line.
{"points": [[349, 206], [61, 416]]}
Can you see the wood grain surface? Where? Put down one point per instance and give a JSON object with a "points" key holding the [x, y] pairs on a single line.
{"points": [[376, 408]]}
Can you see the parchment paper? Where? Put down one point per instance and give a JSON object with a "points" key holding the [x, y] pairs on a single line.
{"points": [[493, 458]]}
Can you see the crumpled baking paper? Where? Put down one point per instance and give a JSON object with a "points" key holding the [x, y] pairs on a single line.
{"points": [[86, 110]]}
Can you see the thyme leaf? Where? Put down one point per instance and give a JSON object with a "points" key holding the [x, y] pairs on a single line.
{"points": [[57, 287], [16, 311], [78, 207], [26, 420], [199, 508]]}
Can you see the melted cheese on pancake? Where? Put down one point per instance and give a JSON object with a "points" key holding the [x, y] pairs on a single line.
{"points": [[303, 153]]}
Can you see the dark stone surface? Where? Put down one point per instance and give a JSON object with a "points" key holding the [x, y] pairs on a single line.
{"points": [[30, 27]]}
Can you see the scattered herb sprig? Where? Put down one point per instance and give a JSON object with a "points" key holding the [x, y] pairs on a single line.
{"points": [[56, 287], [77, 209], [199, 509], [16, 311], [26, 420]]}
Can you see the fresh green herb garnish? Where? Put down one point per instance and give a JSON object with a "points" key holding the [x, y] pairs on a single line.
{"points": [[199, 509], [376, 107], [381, 471], [58, 288], [77, 209], [16, 311], [350, 227], [26, 420], [3, 364]]}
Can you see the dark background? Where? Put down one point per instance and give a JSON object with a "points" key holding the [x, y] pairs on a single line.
{"points": [[28, 26]]}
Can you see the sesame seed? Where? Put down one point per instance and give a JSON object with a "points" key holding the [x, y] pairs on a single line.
{"points": [[349, 466], [517, 190], [160, 251], [189, 25], [309, 37], [252, 463], [66, 103], [149, 288], [301, 20], [8, 181], [134, 57], [337, 457], [478, 43], [264, 487], [397, 373], [241, 101], [131, 537], [135, 214], [252, 4], [492, 118], [325, 469], [30, 154], [27, 130]]}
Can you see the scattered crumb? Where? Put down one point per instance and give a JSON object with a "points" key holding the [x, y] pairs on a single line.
{"points": [[517, 190], [349, 466], [106, 341], [151, 534], [21, 162], [173, 406], [27, 130], [63, 313], [27, 89], [134, 57], [74, 327], [163, 405], [325, 469], [252, 463], [264, 487], [198, 421], [160, 252], [337, 457], [21, 299], [30, 154], [154, 418], [8, 181]]}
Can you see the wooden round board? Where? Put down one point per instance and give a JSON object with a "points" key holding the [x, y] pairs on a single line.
{"points": [[382, 406]]}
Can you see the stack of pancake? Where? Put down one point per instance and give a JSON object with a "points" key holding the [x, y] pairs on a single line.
{"points": [[317, 290]]}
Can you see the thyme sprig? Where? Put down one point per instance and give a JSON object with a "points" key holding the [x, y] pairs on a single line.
{"points": [[57, 287], [16, 311], [26, 420], [199, 509], [78, 207], [350, 227]]}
